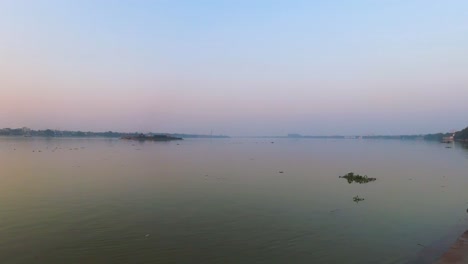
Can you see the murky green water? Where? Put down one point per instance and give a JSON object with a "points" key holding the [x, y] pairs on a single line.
{"points": [[224, 200]]}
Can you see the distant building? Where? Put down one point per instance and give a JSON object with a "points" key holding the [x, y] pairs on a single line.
{"points": [[448, 139]]}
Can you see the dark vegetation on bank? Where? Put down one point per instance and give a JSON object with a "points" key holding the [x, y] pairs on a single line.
{"points": [[437, 136], [462, 135], [459, 136], [18, 132]]}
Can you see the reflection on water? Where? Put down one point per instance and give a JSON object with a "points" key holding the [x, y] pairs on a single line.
{"points": [[224, 201], [464, 146]]}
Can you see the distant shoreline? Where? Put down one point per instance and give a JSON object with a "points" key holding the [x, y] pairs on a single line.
{"points": [[49, 133], [460, 136]]}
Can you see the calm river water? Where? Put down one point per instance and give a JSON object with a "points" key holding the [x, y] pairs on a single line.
{"points": [[225, 201]]}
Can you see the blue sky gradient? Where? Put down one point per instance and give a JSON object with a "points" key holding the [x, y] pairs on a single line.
{"points": [[237, 67]]}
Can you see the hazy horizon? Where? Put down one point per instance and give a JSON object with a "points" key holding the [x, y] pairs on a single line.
{"points": [[237, 68], [234, 136]]}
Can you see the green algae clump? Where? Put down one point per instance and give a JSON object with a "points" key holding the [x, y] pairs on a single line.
{"points": [[351, 177]]}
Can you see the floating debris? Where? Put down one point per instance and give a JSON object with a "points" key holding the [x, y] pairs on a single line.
{"points": [[281, 171], [351, 177], [358, 199]]}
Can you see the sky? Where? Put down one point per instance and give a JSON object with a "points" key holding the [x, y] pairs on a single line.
{"points": [[235, 67]]}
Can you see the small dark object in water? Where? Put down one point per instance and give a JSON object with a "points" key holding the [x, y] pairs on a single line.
{"points": [[467, 210], [281, 171], [272, 142], [448, 147], [351, 177], [358, 199]]}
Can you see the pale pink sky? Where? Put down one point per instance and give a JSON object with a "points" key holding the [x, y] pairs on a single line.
{"points": [[235, 68]]}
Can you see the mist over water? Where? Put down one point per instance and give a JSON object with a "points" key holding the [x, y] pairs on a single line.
{"points": [[225, 200]]}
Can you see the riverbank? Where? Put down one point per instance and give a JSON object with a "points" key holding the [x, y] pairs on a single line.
{"points": [[458, 252]]}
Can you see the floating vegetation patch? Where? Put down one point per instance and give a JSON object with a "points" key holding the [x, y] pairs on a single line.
{"points": [[351, 177], [358, 199]]}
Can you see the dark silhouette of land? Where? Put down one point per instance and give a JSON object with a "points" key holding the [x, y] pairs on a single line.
{"points": [[26, 132], [142, 137], [457, 136]]}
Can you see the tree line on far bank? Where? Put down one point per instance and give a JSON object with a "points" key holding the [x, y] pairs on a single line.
{"points": [[459, 135], [462, 135], [19, 132], [55, 133]]}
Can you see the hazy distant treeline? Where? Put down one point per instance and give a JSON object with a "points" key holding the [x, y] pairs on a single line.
{"points": [[462, 135], [109, 134], [459, 135]]}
